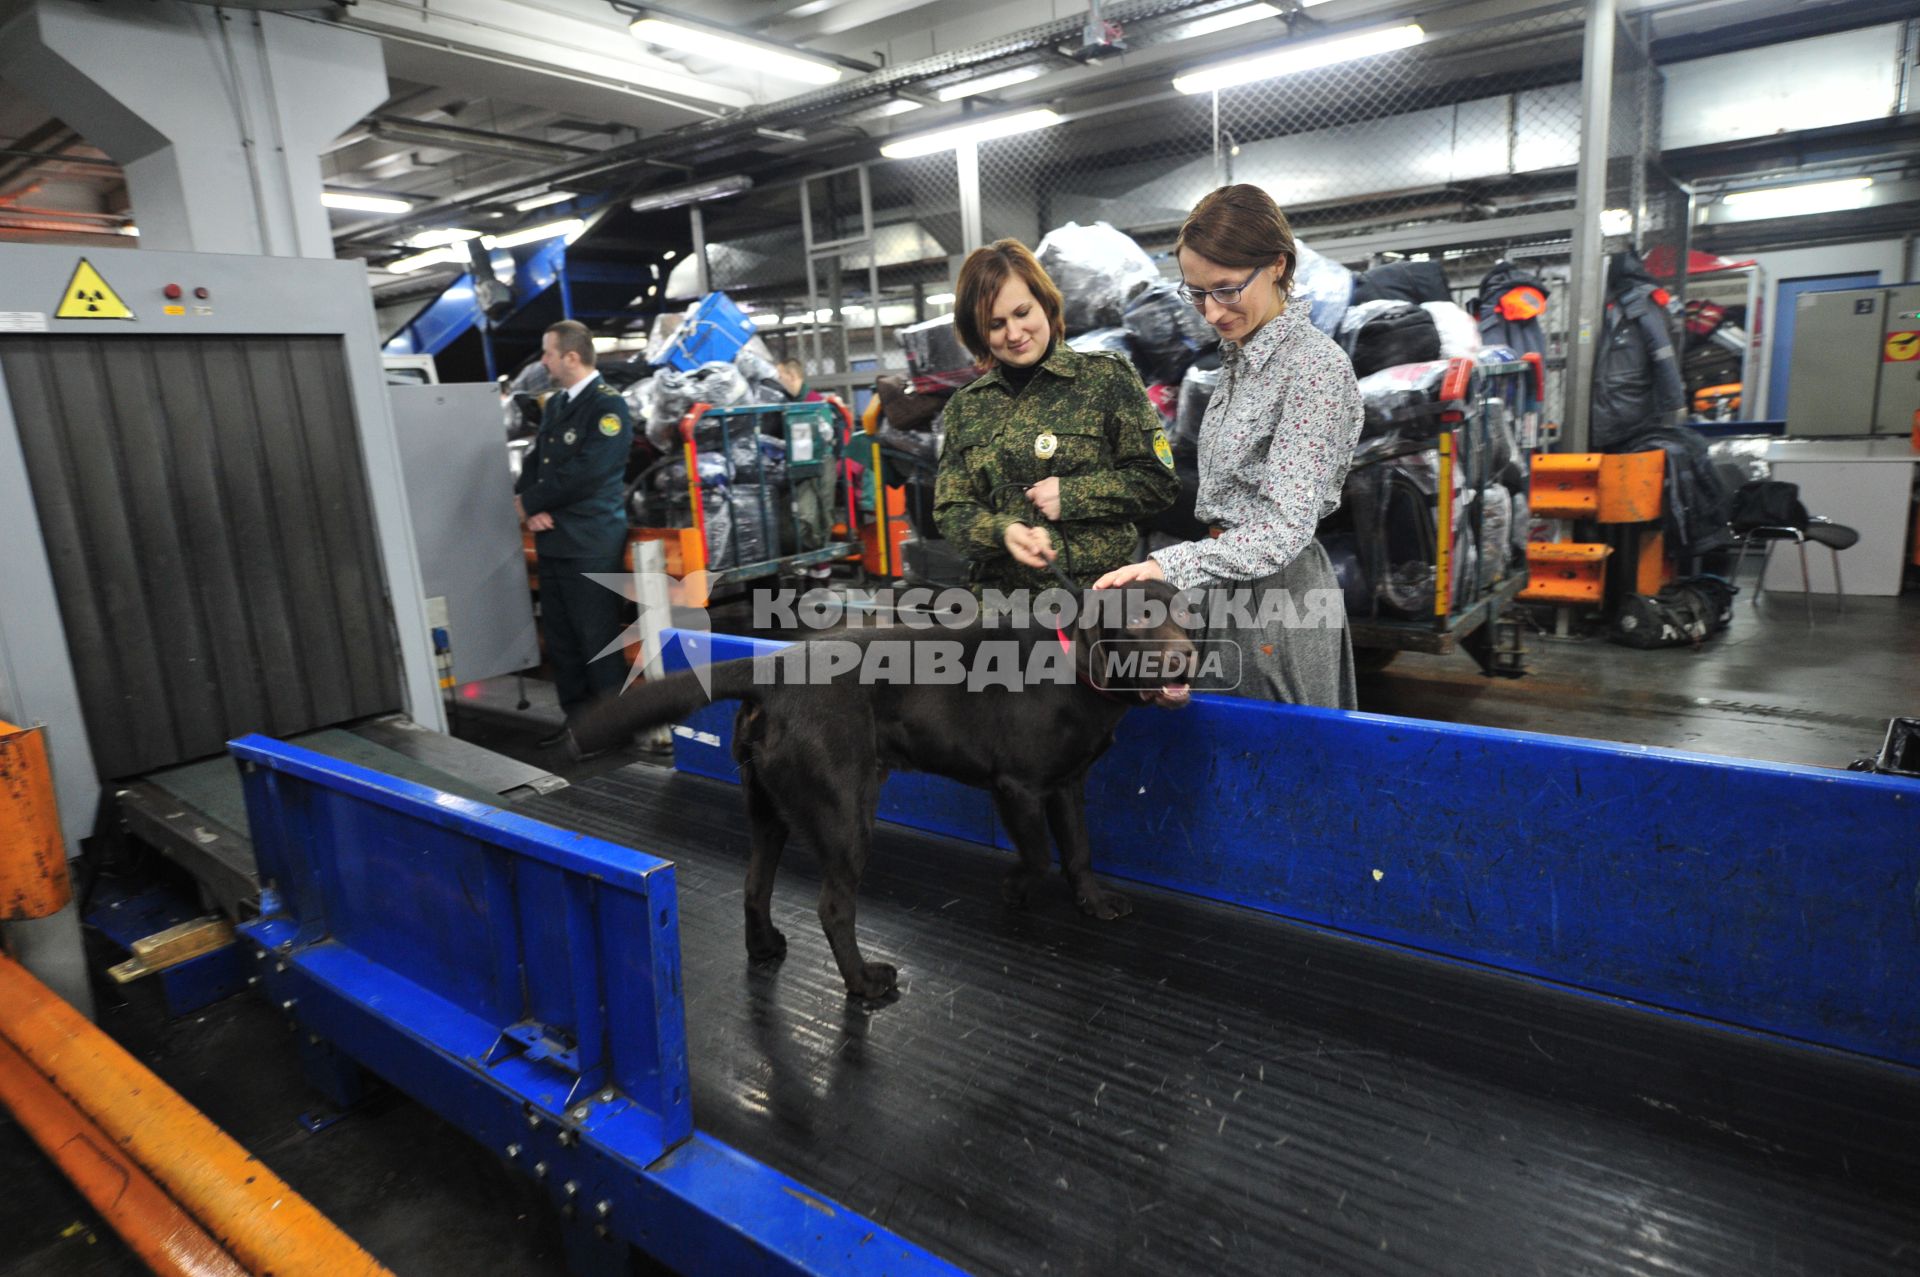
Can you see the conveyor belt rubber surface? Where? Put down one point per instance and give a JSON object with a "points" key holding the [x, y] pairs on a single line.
{"points": [[1203, 1089]]}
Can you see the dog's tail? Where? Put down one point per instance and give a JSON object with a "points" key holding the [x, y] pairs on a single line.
{"points": [[613, 722]]}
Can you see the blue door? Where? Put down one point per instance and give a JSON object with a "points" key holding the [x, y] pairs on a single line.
{"points": [[1783, 313]]}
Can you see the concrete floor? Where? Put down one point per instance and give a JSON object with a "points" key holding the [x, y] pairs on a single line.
{"points": [[429, 1201], [1772, 687]]}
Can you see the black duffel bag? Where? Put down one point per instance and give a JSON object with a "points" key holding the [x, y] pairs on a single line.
{"points": [[1686, 612]]}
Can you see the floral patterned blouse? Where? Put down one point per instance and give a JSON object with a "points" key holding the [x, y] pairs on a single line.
{"points": [[1274, 449]]}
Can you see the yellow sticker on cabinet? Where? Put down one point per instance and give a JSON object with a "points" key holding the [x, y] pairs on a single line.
{"points": [[90, 297]]}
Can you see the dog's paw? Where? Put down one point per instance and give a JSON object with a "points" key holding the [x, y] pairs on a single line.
{"points": [[1016, 887], [770, 947], [877, 980], [1104, 905]]}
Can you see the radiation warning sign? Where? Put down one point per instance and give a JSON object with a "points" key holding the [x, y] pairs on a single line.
{"points": [[1901, 348], [90, 297]]}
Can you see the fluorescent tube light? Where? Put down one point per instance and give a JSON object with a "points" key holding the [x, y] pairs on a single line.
{"points": [[711, 44], [977, 131], [432, 257], [364, 203], [570, 228], [442, 237], [940, 299], [541, 201], [1795, 201], [1299, 57], [988, 83]]}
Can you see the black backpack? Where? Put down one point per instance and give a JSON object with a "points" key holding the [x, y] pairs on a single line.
{"points": [[1767, 503], [1687, 611]]}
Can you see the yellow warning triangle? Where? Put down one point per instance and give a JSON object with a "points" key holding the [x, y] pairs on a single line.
{"points": [[90, 297]]}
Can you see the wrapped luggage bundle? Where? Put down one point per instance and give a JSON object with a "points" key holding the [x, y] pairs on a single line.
{"points": [[1109, 340], [1325, 283], [1196, 391], [1167, 334], [717, 384], [1097, 269], [935, 357], [1382, 334], [1403, 400]]}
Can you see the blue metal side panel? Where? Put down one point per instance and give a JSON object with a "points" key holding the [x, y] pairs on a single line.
{"points": [[1781, 898], [444, 320], [412, 880]]}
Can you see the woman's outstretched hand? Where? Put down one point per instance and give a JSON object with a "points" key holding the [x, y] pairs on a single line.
{"points": [[1147, 570]]}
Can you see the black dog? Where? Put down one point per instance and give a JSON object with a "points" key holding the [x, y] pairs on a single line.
{"points": [[813, 754]]}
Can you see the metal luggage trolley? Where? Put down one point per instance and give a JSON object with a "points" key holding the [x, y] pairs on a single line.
{"points": [[1465, 614], [734, 435]]}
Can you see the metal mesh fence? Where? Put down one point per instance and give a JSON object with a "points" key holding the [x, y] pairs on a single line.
{"points": [[1468, 127]]}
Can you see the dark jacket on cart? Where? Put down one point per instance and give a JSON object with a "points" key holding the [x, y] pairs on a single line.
{"points": [[1083, 418], [1636, 376], [574, 470], [1512, 299]]}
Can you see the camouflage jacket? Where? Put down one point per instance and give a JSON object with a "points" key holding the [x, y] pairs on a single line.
{"points": [[1083, 418]]}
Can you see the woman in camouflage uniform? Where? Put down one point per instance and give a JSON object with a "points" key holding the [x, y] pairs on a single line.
{"points": [[1051, 455]]}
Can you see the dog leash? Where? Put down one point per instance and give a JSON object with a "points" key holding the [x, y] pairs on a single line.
{"points": [[1060, 574]]}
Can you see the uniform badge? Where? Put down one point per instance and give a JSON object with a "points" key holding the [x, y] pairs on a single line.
{"points": [[1162, 449], [569, 437], [609, 425], [1045, 445]]}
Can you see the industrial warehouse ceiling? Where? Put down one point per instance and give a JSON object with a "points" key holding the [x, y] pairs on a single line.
{"points": [[498, 103]]}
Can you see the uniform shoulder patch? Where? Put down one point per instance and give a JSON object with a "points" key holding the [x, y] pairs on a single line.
{"points": [[1162, 449], [605, 389], [610, 425]]}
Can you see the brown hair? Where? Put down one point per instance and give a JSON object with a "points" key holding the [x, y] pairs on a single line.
{"points": [[793, 366], [982, 275], [1241, 226], [572, 335]]}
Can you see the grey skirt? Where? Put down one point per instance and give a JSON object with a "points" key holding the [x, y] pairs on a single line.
{"points": [[1291, 635]]}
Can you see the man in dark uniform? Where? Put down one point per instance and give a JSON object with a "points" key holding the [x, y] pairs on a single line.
{"points": [[569, 495]]}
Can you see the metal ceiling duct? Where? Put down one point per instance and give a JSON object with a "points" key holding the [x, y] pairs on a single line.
{"points": [[698, 193]]}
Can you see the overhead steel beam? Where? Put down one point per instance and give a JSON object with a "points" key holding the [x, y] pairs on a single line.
{"points": [[454, 137]]}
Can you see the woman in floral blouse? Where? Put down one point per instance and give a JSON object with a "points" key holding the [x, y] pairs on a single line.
{"points": [[1274, 448]]}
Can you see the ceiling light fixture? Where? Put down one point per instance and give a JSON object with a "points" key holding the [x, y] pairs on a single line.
{"points": [[1299, 57], [357, 203], [977, 131], [455, 253], [1801, 200], [717, 46], [698, 193], [541, 201], [570, 230], [442, 237], [940, 299], [988, 83], [432, 257]]}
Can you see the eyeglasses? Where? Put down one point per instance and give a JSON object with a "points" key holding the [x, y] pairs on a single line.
{"points": [[1197, 297]]}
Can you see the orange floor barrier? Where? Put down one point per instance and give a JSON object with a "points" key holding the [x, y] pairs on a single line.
{"points": [[245, 1207], [152, 1224]]}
